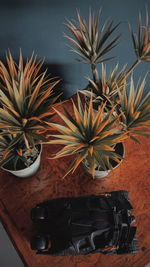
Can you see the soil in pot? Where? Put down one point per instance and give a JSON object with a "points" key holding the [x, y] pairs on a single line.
{"points": [[119, 149], [20, 164]]}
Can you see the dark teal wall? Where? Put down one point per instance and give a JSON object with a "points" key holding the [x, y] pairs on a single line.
{"points": [[38, 25]]}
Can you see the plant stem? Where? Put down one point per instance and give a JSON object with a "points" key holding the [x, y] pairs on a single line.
{"points": [[135, 64], [96, 77]]}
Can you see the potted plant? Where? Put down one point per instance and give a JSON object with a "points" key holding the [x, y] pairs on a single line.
{"points": [[92, 43], [92, 137], [121, 110], [115, 97], [96, 138], [26, 98]]}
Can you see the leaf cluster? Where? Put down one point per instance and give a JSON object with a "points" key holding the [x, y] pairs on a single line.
{"points": [[91, 136], [26, 99], [91, 43], [141, 43]]}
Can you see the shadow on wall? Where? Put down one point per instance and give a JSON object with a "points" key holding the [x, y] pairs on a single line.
{"points": [[28, 3], [56, 70], [61, 71], [66, 85]]}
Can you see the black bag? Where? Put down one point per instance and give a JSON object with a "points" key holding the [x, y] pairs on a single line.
{"points": [[84, 225]]}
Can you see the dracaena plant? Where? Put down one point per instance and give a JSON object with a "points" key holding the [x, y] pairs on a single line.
{"points": [[90, 42], [135, 110], [106, 89], [89, 136], [26, 99], [142, 42]]}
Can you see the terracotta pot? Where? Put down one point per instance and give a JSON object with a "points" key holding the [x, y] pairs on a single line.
{"points": [[28, 171], [120, 149]]}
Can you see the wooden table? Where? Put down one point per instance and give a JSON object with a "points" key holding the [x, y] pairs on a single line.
{"points": [[18, 196]]}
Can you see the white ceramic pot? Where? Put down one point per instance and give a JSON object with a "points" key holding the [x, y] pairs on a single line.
{"points": [[29, 171], [102, 174], [99, 174]]}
